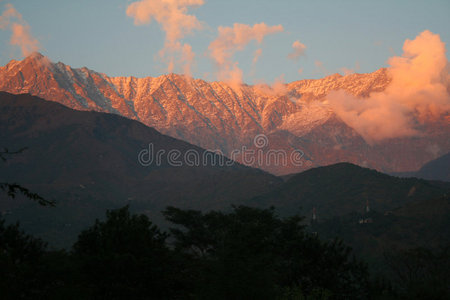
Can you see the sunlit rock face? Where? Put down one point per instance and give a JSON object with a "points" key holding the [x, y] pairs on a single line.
{"points": [[295, 117]]}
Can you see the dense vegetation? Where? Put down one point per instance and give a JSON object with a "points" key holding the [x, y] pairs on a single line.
{"points": [[248, 253]]}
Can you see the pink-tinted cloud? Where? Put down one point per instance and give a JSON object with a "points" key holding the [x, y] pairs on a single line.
{"points": [[175, 21], [171, 14], [320, 68], [418, 92], [256, 55], [276, 89], [187, 57], [298, 49], [232, 39], [347, 71], [9, 13], [279, 86], [21, 36]]}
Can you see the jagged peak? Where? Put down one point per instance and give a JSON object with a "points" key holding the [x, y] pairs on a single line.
{"points": [[39, 57], [35, 61], [175, 77], [36, 55], [36, 58], [382, 72], [335, 75], [379, 72]]}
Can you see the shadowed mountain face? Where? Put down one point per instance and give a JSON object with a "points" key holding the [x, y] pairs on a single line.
{"points": [[215, 115], [402, 212], [345, 188], [419, 223], [88, 162], [437, 169]]}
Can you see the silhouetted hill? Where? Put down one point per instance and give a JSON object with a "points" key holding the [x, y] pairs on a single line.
{"points": [[421, 223], [344, 188], [403, 212], [437, 169], [88, 162]]}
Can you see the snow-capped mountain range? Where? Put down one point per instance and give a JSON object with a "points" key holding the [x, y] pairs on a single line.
{"points": [[217, 115]]}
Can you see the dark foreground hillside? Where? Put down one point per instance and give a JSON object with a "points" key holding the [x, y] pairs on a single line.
{"points": [[345, 188], [247, 253], [372, 212], [88, 162], [418, 224]]}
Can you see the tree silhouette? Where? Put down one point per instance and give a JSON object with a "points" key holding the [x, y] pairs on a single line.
{"points": [[12, 189], [125, 256], [421, 273], [251, 253], [20, 261]]}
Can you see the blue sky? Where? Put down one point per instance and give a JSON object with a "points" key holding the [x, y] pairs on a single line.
{"points": [[359, 35]]}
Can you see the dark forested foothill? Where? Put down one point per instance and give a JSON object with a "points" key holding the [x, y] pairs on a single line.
{"points": [[247, 253]]}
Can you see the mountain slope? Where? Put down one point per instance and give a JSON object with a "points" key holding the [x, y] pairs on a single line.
{"points": [[215, 115], [88, 162], [420, 223], [344, 188], [403, 212], [437, 169]]}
